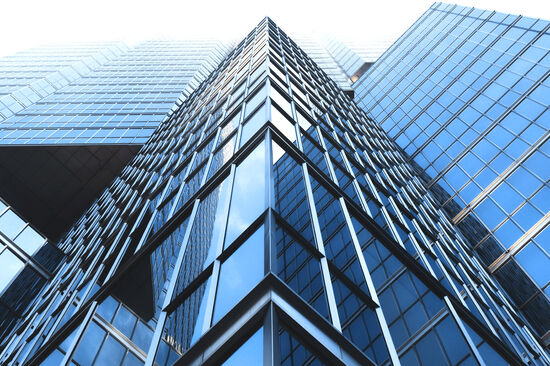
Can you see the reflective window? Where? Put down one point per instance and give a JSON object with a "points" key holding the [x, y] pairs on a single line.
{"points": [[11, 224], [10, 265], [240, 273], [184, 325], [250, 353], [293, 352], [300, 270], [205, 235], [29, 240], [283, 124], [252, 125], [248, 195]]}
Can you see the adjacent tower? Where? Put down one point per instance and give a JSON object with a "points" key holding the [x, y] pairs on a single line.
{"points": [[71, 117], [269, 221], [77, 114], [466, 94]]}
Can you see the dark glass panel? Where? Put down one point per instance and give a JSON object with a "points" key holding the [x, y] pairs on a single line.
{"points": [[301, 270]]}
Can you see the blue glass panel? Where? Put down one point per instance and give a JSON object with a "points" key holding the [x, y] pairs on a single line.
{"points": [[250, 353], [131, 360], [10, 265], [125, 321], [89, 345], [252, 125], [248, 196], [111, 353], [294, 352], [535, 263], [240, 273], [107, 308]]}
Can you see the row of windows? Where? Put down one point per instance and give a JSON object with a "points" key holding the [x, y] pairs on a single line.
{"points": [[180, 196]]}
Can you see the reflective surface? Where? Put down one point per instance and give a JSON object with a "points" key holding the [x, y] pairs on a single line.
{"points": [[465, 93]]}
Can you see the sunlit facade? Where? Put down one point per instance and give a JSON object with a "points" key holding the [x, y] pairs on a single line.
{"points": [[465, 93], [268, 221], [83, 112], [71, 117]]}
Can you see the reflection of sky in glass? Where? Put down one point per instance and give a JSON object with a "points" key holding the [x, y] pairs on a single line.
{"points": [[217, 230], [253, 125], [197, 332], [10, 224], [277, 152], [29, 240], [240, 273], [250, 353], [283, 124], [248, 198], [9, 266]]}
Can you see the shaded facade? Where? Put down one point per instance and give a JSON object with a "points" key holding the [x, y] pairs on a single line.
{"points": [[268, 220], [465, 93]]}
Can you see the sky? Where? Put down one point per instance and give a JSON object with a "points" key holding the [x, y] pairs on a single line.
{"points": [[30, 23]]}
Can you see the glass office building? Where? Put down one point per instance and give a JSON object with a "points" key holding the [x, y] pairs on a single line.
{"points": [[355, 58], [269, 221], [465, 93], [65, 142], [316, 50], [71, 117], [29, 76]]}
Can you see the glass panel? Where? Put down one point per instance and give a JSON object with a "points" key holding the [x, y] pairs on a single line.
{"points": [[359, 322], [293, 352], [184, 325], [240, 273], [10, 224], [131, 360], [205, 234], [255, 101], [290, 193], [111, 353], [89, 345], [300, 270], [162, 264], [125, 321], [248, 197], [252, 125], [283, 124], [250, 353], [29, 240], [10, 265]]}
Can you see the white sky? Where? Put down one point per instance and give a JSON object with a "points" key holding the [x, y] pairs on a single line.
{"points": [[28, 23]]}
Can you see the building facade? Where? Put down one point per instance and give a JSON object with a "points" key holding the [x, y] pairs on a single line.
{"points": [[71, 117], [27, 261], [354, 58], [83, 111], [466, 94], [269, 221]]}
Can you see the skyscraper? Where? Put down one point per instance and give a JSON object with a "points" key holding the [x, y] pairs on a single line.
{"points": [[353, 58], [268, 220], [72, 116], [465, 93], [83, 111]]}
